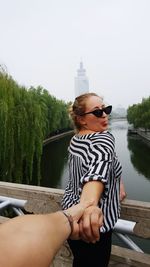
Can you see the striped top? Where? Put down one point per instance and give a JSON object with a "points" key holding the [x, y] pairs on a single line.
{"points": [[92, 157]]}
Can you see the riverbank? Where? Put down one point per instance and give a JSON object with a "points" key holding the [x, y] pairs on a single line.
{"points": [[57, 136], [141, 132]]}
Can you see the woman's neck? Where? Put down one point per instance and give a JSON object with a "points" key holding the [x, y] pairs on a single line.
{"points": [[85, 131]]}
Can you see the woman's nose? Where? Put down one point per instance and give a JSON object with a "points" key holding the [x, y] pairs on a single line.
{"points": [[104, 114]]}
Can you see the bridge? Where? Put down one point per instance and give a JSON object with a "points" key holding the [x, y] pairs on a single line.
{"points": [[135, 220]]}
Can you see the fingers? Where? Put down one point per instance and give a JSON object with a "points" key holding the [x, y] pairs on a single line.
{"points": [[77, 211], [75, 232], [90, 224], [85, 229], [95, 226], [87, 220], [101, 219]]}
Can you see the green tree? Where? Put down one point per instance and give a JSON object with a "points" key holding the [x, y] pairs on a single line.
{"points": [[139, 114], [27, 116]]}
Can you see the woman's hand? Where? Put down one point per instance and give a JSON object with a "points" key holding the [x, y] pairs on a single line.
{"points": [[76, 213], [87, 227], [90, 223], [123, 193]]}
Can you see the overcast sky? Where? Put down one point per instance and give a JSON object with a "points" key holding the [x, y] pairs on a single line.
{"points": [[43, 41]]}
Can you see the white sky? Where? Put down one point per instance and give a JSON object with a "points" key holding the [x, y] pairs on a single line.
{"points": [[42, 42]]}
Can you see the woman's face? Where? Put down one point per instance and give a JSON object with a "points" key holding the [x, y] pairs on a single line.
{"points": [[90, 121]]}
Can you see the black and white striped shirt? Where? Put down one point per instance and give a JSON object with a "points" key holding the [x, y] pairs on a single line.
{"points": [[92, 157]]}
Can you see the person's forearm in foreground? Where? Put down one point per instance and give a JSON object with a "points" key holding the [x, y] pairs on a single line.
{"points": [[33, 240]]}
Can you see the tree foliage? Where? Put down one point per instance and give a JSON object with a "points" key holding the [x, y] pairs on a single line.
{"points": [[139, 114], [27, 117]]}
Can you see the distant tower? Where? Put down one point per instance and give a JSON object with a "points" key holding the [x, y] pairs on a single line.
{"points": [[81, 81]]}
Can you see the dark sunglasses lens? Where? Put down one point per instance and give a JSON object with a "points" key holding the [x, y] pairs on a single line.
{"points": [[98, 113], [108, 109]]}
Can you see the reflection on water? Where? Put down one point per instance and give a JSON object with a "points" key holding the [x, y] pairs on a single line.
{"points": [[53, 162], [140, 155], [134, 154], [135, 167]]}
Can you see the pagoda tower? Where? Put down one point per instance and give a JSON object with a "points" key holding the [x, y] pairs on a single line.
{"points": [[81, 81]]}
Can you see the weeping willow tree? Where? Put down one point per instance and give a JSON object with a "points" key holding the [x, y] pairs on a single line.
{"points": [[26, 117]]}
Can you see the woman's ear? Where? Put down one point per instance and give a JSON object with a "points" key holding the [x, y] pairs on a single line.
{"points": [[81, 121]]}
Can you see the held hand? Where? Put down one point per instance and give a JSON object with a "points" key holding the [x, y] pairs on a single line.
{"points": [[123, 193], [90, 224], [76, 212]]}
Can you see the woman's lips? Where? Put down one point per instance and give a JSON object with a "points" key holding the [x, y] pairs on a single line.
{"points": [[104, 124]]}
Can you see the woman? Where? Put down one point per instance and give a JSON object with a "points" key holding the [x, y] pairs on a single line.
{"points": [[94, 174]]}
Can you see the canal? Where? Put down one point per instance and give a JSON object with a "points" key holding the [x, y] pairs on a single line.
{"points": [[133, 152]]}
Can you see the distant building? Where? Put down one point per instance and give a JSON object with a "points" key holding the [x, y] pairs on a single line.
{"points": [[81, 81], [119, 112]]}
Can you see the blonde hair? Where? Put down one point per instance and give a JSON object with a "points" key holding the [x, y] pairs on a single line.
{"points": [[78, 108]]}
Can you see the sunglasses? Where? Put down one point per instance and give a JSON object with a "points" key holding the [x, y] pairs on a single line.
{"points": [[99, 112]]}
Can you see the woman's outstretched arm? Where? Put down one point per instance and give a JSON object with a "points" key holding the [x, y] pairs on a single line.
{"points": [[92, 218]]}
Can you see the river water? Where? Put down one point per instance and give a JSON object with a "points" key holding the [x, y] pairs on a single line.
{"points": [[133, 152]]}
